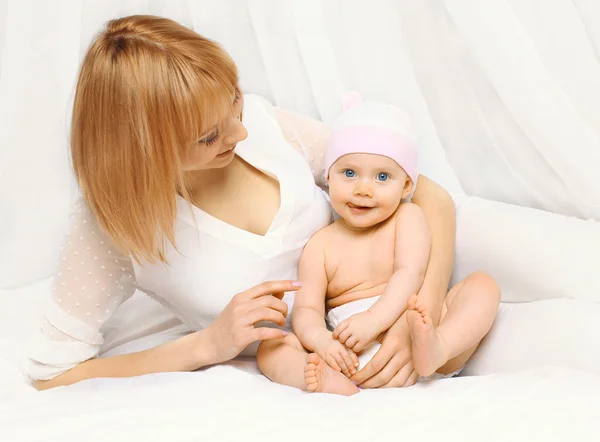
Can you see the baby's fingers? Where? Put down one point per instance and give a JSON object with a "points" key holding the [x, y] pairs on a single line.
{"points": [[358, 347], [344, 335], [342, 363], [340, 328], [351, 342], [349, 362], [332, 362], [354, 358]]}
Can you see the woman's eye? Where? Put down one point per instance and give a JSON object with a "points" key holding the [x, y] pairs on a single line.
{"points": [[349, 173], [211, 139], [383, 176]]}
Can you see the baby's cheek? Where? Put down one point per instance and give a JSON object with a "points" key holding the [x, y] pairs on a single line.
{"points": [[336, 201], [336, 206]]}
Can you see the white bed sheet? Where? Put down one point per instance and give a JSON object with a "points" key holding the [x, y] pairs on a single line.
{"points": [[234, 402]]}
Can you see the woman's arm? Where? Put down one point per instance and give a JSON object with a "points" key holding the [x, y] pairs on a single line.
{"points": [[187, 353], [233, 330], [440, 213], [411, 255], [91, 281]]}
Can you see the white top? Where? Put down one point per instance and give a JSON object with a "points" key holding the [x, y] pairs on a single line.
{"points": [[215, 262]]}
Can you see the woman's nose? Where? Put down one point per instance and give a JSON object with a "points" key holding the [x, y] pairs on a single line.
{"points": [[237, 132]]}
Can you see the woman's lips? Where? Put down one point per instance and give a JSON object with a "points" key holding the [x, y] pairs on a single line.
{"points": [[227, 152]]}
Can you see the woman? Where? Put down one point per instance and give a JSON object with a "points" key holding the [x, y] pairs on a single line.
{"points": [[172, 205]]}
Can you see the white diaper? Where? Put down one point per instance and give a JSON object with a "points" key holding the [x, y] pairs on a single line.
{"points": [[343, 312]]}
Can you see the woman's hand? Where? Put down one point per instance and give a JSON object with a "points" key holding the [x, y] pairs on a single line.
{"points": [[234, 330], [392, 365]]}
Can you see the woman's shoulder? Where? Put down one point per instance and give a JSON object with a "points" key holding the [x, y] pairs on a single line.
{"points": [[80, 206], [80, 213], [305, 134], [82, 216]]}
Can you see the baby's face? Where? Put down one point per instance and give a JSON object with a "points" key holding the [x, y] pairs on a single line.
{"points": [[366, 189]]}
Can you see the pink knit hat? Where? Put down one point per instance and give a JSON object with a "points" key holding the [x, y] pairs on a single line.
{"points": [[373, 127]]}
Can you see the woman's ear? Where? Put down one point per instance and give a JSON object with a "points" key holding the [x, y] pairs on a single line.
{"points": [[408, 185]]}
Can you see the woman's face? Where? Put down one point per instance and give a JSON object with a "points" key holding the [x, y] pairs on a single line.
{"points": [[215, 149]]}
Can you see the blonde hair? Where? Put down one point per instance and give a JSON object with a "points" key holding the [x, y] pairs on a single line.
{"points": [[147, 90]]}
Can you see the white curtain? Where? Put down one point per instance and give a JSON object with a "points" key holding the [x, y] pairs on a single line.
{"points": [[505, 93]]}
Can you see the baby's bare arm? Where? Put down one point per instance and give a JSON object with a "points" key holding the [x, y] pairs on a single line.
{"points": [[308, 315], [411, 255]]}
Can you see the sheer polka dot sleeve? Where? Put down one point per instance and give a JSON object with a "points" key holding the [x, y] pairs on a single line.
{"points": [[305, 134], [309, 136], [92, 279]]}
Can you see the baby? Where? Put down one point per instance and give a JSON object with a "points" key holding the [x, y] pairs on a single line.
{"points": [[364, 271], [366, 265]]}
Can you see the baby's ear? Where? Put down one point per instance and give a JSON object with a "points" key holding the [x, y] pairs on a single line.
{"points": [[408, 185]]}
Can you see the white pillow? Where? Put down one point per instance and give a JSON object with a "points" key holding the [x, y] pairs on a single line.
{"points": [[532, 254], [553, 332]]}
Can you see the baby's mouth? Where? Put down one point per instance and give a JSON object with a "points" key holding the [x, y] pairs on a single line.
{"points": [[358, 209]]}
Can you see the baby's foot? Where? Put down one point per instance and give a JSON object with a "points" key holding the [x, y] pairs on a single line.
{"points": [[428, 346], [320, 377]]}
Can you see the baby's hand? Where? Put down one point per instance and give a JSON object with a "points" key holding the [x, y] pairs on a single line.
{"points": [[337, 356], [358, 331]]}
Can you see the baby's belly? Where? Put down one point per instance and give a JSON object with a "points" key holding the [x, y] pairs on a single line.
{"points": [[362, 291]]}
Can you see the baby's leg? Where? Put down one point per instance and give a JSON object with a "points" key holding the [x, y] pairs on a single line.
{"points": [[471, 307], [286, 362]]}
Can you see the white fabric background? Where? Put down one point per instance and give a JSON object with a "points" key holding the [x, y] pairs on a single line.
{"points": [[507, 91]]}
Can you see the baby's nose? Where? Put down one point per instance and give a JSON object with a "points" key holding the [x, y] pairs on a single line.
{"points": [[363, 188]]}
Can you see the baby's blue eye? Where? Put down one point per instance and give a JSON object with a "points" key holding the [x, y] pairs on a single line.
{"points": [[350, 173], [382, 176]]}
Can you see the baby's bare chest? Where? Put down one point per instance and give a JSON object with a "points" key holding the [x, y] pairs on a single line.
{"points": [[361, 263]]}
